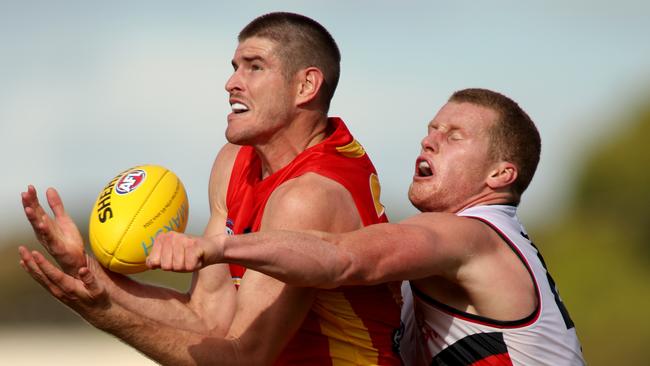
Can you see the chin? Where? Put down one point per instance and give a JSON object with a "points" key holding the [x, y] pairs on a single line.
{"points": [[238, 138], [416, 199], [426, 199]]}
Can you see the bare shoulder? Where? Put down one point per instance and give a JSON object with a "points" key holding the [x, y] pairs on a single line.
{"points": [[220, 176], [312, 202], [224, 161]]}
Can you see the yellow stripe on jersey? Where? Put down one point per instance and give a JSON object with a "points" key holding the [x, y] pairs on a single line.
{"points": [[375, 189], [352, 150], [349, 339]]}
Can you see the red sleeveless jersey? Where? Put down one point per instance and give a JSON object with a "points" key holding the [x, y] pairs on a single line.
{"points": [[347, 325]]}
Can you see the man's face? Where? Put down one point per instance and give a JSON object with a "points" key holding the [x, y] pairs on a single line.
{"points": [[454, 162], [261, 98]]}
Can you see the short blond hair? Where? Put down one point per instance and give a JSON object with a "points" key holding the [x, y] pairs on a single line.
{"points": [[513, 137]]}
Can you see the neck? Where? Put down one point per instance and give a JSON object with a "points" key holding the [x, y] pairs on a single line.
{"points": [[306, 130], [489, 198]]}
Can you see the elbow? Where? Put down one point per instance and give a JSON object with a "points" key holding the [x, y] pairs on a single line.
{"points": [[252, 353], [228, 351]]}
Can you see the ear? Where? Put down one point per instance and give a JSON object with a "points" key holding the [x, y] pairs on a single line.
{"points": [[502, 175], [309, 83]]}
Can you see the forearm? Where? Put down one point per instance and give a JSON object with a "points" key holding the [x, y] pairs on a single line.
{"points": [[200, 310], [375, 254], [284, 311], [296, 258], [168, 345]]}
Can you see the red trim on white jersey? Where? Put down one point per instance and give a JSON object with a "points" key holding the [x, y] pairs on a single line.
{"points": [[436, 333]]}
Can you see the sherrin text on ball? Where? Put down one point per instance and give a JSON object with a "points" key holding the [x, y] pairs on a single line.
{"points": [[131, 210]]}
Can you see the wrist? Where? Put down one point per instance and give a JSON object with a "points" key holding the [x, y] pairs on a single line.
{"points": [[213, 249]]}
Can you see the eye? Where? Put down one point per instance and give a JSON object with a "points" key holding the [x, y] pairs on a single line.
{"points": [[256, 67], [455, 136]]}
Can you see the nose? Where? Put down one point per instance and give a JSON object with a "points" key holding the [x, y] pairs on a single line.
{"points": [[431, 142], [234, 82]]}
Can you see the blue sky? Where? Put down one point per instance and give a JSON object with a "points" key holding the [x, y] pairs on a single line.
{"points": [[88, 89]]}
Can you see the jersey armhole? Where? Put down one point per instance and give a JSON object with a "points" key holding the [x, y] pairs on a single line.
{"points": [[526, 321]]}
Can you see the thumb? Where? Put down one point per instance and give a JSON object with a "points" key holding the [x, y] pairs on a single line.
{"points": [[96, 292], [88, 279]]}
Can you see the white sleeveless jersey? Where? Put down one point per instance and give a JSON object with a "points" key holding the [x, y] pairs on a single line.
{"points": [[436, 334]]}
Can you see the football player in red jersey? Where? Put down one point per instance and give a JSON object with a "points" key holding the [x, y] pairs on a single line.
{"points": [[280, 170]]}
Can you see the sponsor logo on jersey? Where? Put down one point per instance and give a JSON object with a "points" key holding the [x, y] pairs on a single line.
{"points": [[130, 181], [230, 225]]}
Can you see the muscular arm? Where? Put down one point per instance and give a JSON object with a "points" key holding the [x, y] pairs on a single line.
{"points": [[266, 309], [424, 245], [209, 305], [207, 308]]}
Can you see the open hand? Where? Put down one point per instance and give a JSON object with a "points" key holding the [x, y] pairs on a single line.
{"points": [[59, 234], [82, 292]]}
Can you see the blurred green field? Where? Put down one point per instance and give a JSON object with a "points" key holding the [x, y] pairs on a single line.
{"points": [[597, 250]]}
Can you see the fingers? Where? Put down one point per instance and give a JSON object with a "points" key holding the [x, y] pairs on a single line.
{"points": [[153, 259], [174, 252], [57, 234], [87, 277], [167, 252], [30, 198], [33, 209], [193, 261], [178, 255], [29, 264], [96, 292], [67, 284], [55, 202], [82, 295], [41, 223]]}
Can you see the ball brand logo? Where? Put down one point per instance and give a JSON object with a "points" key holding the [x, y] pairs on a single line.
{"points": [[130, 181], [175, 223]]}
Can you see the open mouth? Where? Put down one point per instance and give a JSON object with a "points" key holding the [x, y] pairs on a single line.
{"points": [[423, 169], [238, 108]]}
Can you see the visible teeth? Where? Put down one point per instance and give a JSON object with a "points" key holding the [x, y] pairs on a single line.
{"points": [[424, 169], [239, 107]]}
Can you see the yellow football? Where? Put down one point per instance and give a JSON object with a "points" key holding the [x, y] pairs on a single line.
{"points": [[131, 210]]}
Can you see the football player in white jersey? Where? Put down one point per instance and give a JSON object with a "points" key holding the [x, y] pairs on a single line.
{"points": [[478, 289]]}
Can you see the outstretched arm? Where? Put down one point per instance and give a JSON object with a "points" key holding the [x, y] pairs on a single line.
{"points": [[267, 309], [58, 234], [207, 307], [87, 296], [421, 246]]}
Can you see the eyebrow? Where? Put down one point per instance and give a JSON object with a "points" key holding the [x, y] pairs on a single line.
{"points": [[253, 58], [250, 58], [247, 59]]}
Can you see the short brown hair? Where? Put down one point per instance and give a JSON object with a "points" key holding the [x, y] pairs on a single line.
{"points": [[513, 137], [302, 42]]}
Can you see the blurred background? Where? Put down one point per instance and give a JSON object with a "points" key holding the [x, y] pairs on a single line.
{"points": [[89, 88]]}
